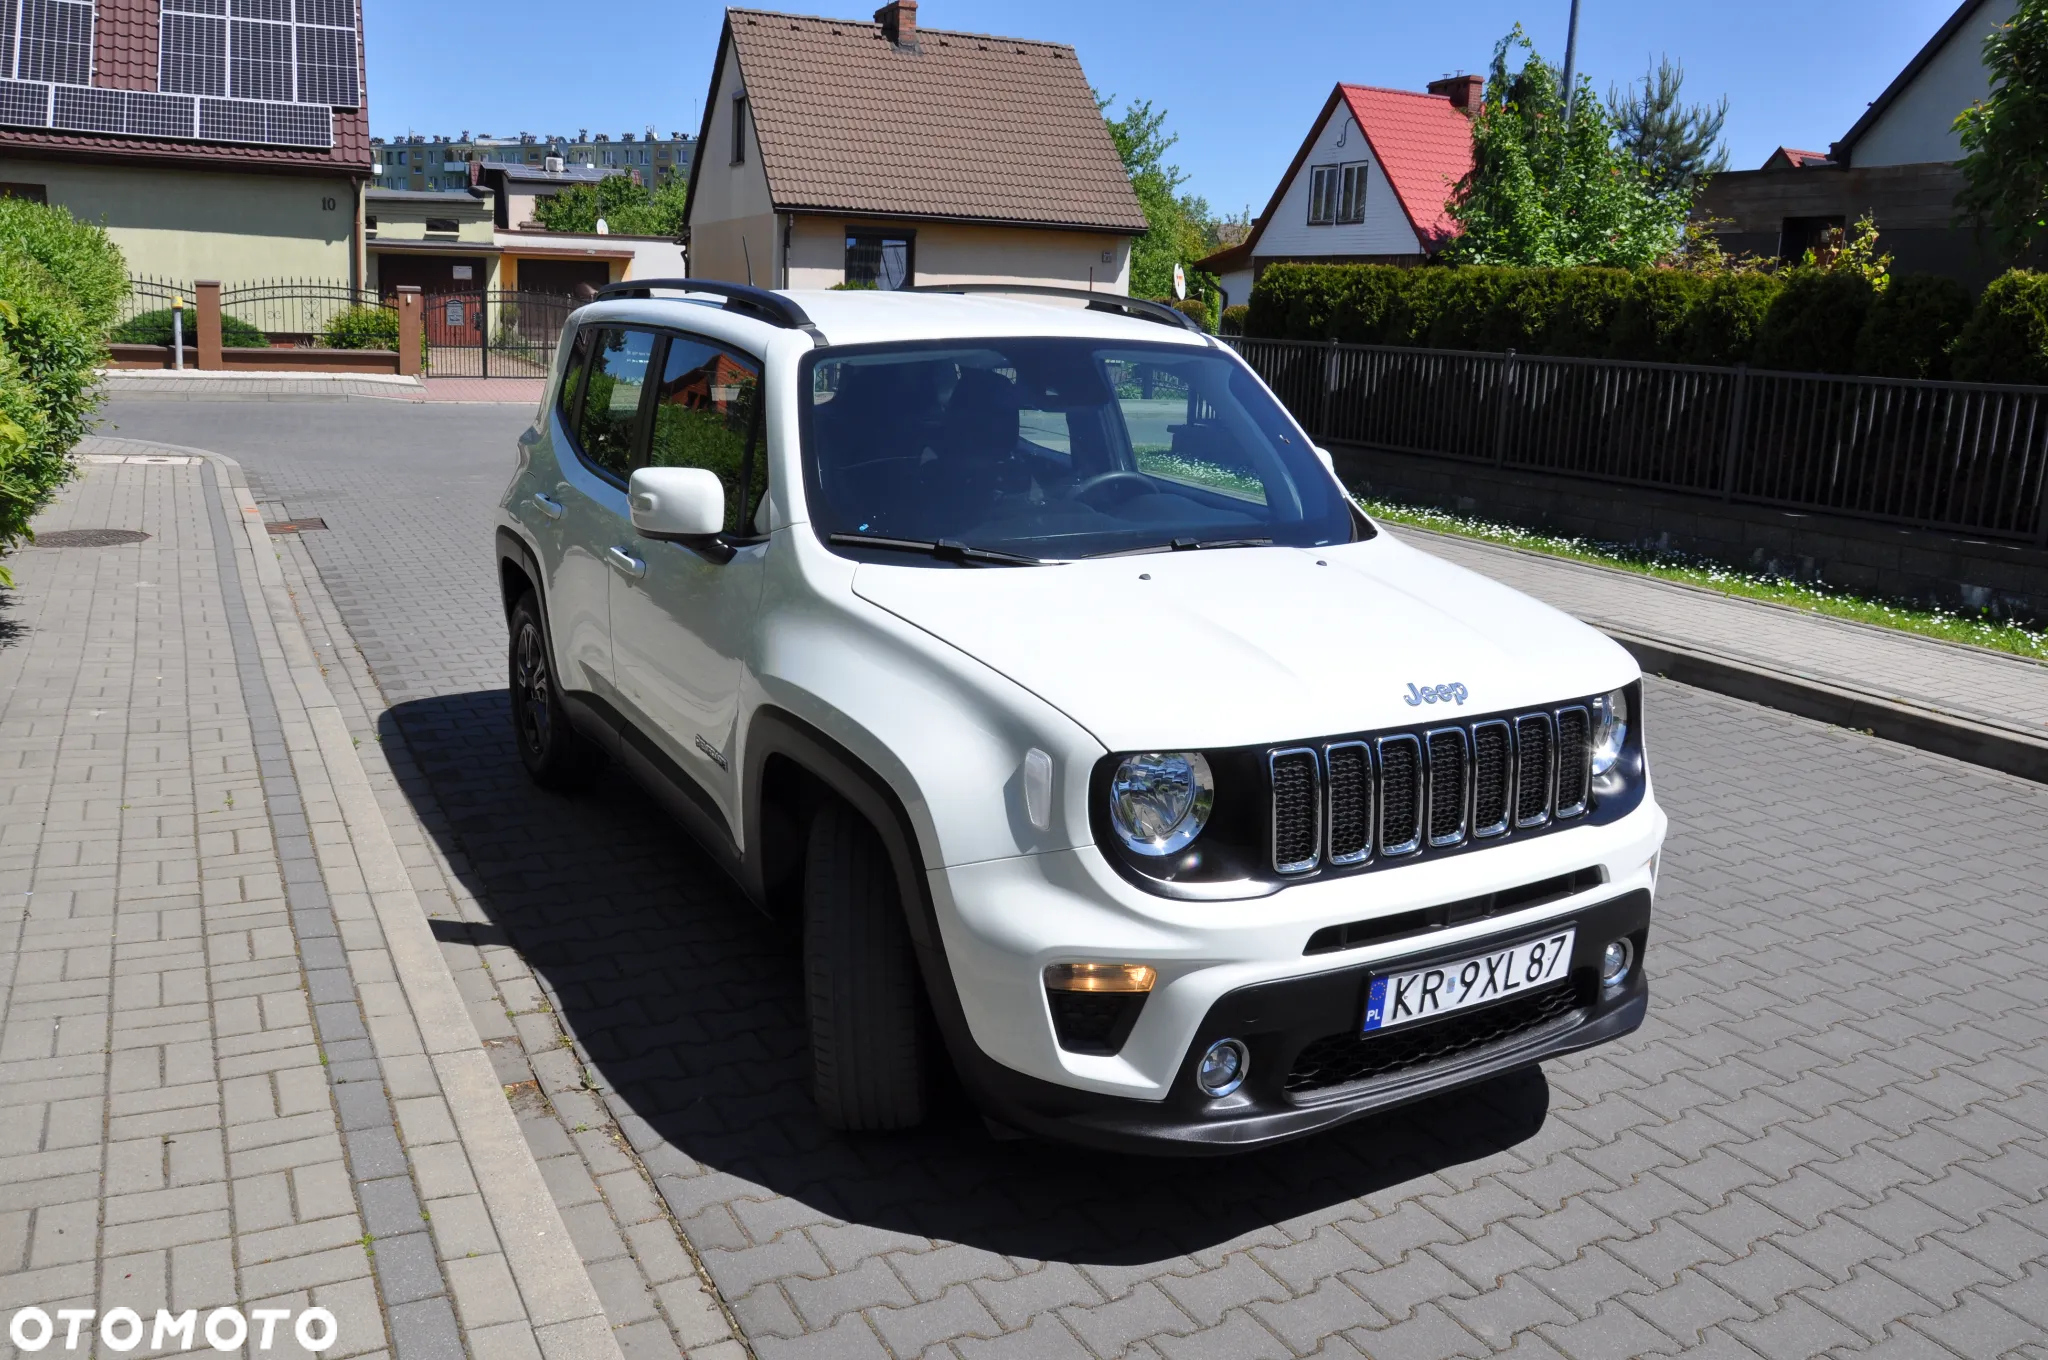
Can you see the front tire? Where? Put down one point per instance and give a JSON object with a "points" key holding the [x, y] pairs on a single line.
{"points": [[861, 983], [555, 754]]}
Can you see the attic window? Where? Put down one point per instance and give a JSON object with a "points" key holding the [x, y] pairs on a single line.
{"points": [[1336, 194], [739, 129], [441, 226]]}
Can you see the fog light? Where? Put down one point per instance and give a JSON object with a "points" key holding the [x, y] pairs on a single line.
{"points": [[1100, 977], [1224, 1068], [1614, 963]]}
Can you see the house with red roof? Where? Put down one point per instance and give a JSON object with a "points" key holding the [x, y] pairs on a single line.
{"points": [[213, 141], [1368, 185]]}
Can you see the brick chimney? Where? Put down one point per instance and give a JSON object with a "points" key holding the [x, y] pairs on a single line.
{"points": [[1462, 91], [898, 19]]}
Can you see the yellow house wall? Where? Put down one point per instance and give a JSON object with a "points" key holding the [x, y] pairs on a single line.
{"points": [[948, 253], [192, 224]]}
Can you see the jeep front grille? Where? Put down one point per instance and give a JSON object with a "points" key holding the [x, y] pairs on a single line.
{"points": [[1348, 802]]}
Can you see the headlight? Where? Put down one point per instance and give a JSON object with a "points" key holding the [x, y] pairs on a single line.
{"points": [[1610, 730], [1158, 800]]}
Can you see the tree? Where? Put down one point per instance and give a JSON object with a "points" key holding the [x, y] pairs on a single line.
{"points": [[1177, 228], [1542, 192], [627, 208], [1677, 145], [2005, 135]]}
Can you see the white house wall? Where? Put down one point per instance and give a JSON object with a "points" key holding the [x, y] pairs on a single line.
{"points": [[1919, 125], [1385, 230], [733, 228], [949, 252]]}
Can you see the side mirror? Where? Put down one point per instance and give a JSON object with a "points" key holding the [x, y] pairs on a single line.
{"points": [[1328, 461], [677, 503]]}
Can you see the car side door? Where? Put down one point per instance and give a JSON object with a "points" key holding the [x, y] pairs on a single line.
{"points": [[682, 627], [588, 503]]}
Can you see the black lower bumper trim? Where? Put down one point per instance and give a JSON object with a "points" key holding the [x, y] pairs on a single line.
{"points": [[1283, 1023]]}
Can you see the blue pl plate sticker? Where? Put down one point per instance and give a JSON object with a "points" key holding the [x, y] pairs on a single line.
{"points": [[1375, 1004]]}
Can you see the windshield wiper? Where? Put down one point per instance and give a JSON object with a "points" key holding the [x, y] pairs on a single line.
{"points": [[945, 549], [1188, 545]]}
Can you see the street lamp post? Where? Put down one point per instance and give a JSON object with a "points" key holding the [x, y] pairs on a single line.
{"points": [[1571, 59]]}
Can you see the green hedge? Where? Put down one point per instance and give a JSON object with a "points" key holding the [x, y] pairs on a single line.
{"points": [[154, 328], [2006, 339], [61, 285], [1800, 320]]}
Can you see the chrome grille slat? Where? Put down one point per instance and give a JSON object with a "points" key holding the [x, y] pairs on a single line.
{"points": [[1347, 773], [1450, 785], [1574, 760], [1297, 811], [1534, 752], [1403, 785], [1493, 766]]}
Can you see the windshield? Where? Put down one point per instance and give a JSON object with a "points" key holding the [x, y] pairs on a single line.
{"points": [[1058, 448]]}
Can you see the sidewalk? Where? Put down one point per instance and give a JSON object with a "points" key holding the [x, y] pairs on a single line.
{"points": [[1969, 702], [236, 1069], [192, 384]]}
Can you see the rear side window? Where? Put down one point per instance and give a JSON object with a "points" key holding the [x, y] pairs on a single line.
{"points": [[707, 414], [572, 379], [608, 433]]}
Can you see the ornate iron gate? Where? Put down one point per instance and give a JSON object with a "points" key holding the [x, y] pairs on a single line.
{"points": [[492, 333]]}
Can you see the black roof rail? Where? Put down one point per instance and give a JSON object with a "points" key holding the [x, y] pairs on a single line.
{"points": [[759, 303], [1144, 309]]}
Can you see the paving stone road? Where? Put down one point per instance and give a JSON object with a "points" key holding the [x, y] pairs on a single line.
{"points": [[1827, 1139]]}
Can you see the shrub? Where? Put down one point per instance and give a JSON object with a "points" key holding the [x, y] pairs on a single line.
{"points": [[1194, 308], [1723, 325], [1583, 306], [154, 328], [2006, 337], [1813, 322], [61, 283], [1651, 321], [1234, 318], [1912, 324], [362, 328]]}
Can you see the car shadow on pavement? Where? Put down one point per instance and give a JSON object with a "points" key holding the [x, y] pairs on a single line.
{"points": [[690, 1004]]}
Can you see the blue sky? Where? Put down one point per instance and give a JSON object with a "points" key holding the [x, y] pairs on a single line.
{"points": [[1240, 80]]}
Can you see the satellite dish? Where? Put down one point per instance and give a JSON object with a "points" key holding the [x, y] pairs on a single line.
{"points": [[1180, 280]]}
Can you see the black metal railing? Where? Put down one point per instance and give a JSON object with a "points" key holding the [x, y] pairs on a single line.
{"points": [[293, 311], [493, 333], [1967, 457]]}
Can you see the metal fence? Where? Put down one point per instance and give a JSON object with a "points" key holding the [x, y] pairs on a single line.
{"points": [[292, 311], [1956, 456], [493, 333], [151, 295]]}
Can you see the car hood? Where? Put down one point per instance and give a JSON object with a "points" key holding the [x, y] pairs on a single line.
{"points": [[1244, 646]]}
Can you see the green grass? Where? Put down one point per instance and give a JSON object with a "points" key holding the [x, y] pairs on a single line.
{"points": [[1697, 571], [1159, 462]]}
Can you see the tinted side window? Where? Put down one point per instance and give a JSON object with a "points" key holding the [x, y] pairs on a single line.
{"points": [[572, 378], [610, 426], [707, 415]]}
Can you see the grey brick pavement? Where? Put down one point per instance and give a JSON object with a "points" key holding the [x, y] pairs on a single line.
{"points": [[1827, 1139], [1984, 686]]}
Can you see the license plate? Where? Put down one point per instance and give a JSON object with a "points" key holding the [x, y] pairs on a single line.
{"points": [[1402, 998]]}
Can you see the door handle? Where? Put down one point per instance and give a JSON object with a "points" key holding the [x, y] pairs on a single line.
{"points": [[626, 562], [549, 506]]}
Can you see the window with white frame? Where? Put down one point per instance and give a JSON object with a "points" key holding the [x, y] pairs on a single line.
{"points": [[1336, 194]]}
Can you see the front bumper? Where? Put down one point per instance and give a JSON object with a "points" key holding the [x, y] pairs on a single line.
{"points": [[1311, 1069]]}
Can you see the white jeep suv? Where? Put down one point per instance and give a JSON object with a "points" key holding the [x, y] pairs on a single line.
{"points": [[1026, 653]]}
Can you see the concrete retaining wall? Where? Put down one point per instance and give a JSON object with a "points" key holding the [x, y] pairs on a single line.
{"points": [[1945, 570]]}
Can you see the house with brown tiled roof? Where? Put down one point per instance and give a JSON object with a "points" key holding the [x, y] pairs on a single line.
{"points": [[1367, 186], [843, 151], [213, 140]]}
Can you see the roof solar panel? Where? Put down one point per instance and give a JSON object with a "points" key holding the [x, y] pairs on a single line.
{"points": [[277, 11], [24, 104], [150, 114], [299, 125], [81, 108], [56, 41], [327, 66], [196, 6], [192, 55], [230, 120], [259, 60], [329, 13], [10, 22]]}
